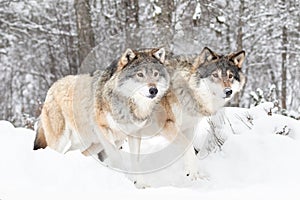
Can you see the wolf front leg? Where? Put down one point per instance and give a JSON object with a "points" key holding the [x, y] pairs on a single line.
{"points": [[114, 159], [190, 159], [134, 143], [191, 164], [183, 143]]}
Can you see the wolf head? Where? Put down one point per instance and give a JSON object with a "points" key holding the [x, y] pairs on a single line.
{"points": [[218, 75], [142, 78], [142, 73]]}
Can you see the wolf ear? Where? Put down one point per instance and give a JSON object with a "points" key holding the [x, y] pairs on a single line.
{"points": [[238, 58], [206, 55], [126, 57], [160, 54]]}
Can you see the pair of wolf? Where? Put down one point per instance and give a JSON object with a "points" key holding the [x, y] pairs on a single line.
{"points": [[97, 112]]}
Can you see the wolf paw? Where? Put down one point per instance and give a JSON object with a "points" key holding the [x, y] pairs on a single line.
{"points": [[140, 185], [193, 175]]}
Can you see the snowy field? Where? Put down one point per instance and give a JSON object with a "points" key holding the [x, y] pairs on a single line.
{"points": [[260, 159]]}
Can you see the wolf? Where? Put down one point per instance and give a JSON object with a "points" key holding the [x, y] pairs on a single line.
{"points": [[96, 112], [200, 86], [211, 79]]}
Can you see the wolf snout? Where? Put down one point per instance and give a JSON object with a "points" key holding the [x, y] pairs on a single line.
{"points": [[228, 92], [153, 92]]}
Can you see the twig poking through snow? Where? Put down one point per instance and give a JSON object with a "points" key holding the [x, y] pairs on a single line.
{"points": [[230, 125], [249, 118], [218, 140], [285, 131]]}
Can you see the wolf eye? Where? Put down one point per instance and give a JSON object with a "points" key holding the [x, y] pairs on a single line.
{"points": [[230, 76], [140, 74], [215, 75], [155, 74]]}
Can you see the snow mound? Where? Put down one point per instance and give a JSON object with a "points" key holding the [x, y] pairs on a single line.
{"points": [[256, 161]]}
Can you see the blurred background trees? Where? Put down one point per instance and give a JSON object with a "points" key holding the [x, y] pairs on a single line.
{"points": [[42, 41]]}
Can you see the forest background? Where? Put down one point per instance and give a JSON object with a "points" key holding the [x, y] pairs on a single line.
{"points": [[42, 41]]}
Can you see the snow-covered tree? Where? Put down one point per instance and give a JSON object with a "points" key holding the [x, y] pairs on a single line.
{"points": [[42, 41]]}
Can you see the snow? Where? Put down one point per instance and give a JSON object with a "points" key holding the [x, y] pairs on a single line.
{"points": [[221, 19], [253, 163], [197, 13], [157, 10]]}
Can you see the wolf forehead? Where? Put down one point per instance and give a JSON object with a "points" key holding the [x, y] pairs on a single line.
{"points": [[223, 64], [145, 55], [148, 61]]}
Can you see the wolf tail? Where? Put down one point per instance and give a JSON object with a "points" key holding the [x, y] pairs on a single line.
{"points": [[40, 140]]}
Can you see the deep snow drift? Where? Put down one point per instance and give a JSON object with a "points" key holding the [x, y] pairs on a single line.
{"points": [[260, 159]]}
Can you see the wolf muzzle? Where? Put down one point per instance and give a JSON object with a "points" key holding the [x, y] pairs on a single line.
{"points": [[153, 92], [227, 92]]}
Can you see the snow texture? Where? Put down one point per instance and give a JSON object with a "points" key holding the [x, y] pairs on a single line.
{"points": [[255, 162], [221, 19], [157, 10], [197, 13]]}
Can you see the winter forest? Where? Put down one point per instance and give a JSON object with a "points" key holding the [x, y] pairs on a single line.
{"points": [[42, 41]]}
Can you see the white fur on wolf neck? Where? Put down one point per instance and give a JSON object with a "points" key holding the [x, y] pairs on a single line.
{"points": [[144, 105]]}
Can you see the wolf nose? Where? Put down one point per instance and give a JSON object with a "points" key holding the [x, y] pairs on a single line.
{"points": [[227, 92], [153, 91]]}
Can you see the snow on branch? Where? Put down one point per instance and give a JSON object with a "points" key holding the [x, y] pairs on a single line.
{"points": [[198, 12]]}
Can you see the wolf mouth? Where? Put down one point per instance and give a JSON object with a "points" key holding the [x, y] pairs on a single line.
{"points": [[151, 96]]}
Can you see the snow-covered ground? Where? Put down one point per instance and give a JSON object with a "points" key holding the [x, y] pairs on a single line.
{"points": [[253, 163]]}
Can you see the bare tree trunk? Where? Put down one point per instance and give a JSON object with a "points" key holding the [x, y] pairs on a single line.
{"points": [[86, 37], [72, 55], [10, 113], [71, 47], [165, 18], [284, 43], [239, 43], [132, 12], [132, 23], [239, 40], [165, 21], [284, 67], [53, 72]]}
